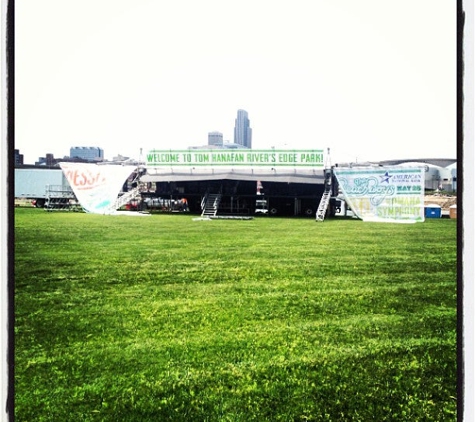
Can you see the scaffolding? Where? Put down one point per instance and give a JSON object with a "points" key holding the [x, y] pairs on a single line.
{"points": [[61, 198]]}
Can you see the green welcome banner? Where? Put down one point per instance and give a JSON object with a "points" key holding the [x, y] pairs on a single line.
{"points": [[235, 158]]}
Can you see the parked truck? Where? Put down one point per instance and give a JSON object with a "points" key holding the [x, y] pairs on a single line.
{"points": [[42, 185]]}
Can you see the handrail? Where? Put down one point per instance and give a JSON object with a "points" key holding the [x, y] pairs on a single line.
{"points": [[126, 197], [204, 200]]}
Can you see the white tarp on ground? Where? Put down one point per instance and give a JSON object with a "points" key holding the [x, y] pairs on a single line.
{"points": [[96, 186], [384, 194]]}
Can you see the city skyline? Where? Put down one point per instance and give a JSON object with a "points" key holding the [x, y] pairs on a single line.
{"points": [[142, 75]]}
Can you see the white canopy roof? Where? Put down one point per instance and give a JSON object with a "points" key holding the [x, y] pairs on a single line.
{"points": [[283, 175]]}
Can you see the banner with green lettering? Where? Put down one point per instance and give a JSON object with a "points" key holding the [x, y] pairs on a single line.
{"points": [[386, 194], [235, 158]]}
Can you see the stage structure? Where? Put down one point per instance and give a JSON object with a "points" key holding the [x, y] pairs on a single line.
{"points": [[216, 182], [238, 181]]}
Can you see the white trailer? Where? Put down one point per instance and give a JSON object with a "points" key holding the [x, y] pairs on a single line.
{"points": [[41, 184]]}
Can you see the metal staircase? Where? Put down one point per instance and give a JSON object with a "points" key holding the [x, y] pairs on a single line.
{"points": [[126, 197], [328, 174], [210, 205], [323, 206]]}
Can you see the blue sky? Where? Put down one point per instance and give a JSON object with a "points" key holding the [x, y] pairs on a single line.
{"points": [[371, 80]]}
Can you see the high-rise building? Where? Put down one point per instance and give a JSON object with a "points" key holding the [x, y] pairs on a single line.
{"points": [[87, 153], [215, 138], [242, 130], [18, 158]]}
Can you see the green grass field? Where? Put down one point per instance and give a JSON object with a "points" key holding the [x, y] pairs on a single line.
{"points": [[163, 318]]}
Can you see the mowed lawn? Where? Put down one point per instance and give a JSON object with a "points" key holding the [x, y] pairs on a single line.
{"points": [[163, 318]]}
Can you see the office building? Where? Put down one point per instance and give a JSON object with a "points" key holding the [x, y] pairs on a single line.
{"points": [[242, 130], [215, 138], [87, 153], [18, 158]]}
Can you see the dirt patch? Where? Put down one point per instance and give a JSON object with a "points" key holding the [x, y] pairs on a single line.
{"points": [[445, 201]]}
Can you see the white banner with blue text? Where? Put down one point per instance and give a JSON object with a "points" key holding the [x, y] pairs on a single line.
{"points": [[384, 194]]}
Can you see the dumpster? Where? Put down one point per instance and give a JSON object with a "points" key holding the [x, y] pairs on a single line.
{"points": [[433, 211]]}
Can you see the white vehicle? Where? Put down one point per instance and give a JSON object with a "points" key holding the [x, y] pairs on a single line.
{"points": [[41, 184]]}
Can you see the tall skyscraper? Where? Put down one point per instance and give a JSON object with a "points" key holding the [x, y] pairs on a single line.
{"points": [[242, 130]]}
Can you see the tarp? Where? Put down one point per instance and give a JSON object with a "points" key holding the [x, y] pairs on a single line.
{"points": [[384, 194], [96, 186]]}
